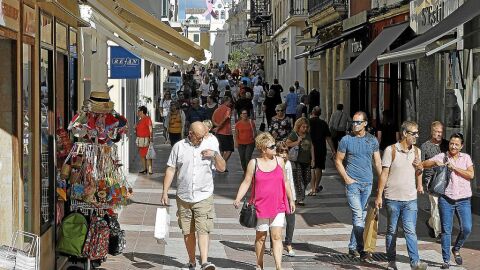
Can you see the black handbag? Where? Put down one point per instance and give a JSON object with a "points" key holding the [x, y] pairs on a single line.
{"points": [[440, 179], [248, 213], [262, 125]]}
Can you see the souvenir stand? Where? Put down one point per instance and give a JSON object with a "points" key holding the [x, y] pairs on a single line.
{"points": [[92, 182]]}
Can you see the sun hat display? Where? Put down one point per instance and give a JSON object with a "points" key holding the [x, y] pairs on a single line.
{"points": [[99, 102]]}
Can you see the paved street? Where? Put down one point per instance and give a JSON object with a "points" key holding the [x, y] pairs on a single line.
{"points": [[321, 236]]}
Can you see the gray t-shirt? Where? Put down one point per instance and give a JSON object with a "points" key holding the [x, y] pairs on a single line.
{"points": [[358, 155], [429, 150], [401, 181]]}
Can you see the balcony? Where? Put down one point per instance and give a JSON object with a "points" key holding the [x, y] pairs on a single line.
{"points": [[260, 17], [315, 6], [299, 7]]}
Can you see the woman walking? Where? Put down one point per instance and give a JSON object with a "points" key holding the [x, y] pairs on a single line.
{"points": [[175, 123], [244, 137], [300, 138], [282, 151], [272, 197], [269, 106], [165, 109], [144, 132], [457, 197], [210, 107], [258, 97], [280, 126]]}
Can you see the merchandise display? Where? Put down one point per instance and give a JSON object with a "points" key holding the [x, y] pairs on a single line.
{"points": [[91, 180]]}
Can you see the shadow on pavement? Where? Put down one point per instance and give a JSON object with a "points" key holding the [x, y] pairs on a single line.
{"points": [[238, 246], [221, 263], [153, 258]]}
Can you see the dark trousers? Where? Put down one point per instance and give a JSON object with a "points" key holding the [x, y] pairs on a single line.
{"points": [[174, 138], [336, 139], [301, 177], [245, 151]]}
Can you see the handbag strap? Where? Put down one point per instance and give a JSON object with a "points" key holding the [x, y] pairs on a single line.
{"points": [[252, 195]]}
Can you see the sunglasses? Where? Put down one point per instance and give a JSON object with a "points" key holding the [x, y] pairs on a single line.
{"points": [[279, 110], [357, 122], [272, 147], [412, 133]]}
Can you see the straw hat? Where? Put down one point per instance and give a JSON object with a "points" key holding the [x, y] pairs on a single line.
{"points": [[99, 102]]}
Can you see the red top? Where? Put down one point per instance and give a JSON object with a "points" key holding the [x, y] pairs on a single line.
{"points": [[244, 131], [143, 127], [221, 113]]}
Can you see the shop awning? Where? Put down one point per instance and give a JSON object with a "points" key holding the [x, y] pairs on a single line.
{"points": [[133, 43], [139, 23], [66, 11], [378, 46], [417, 47], [331, 43]]}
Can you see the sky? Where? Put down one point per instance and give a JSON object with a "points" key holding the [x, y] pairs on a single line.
{"points": [[190, 4]]}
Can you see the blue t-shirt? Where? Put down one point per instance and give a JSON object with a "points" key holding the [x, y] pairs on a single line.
{"points": [[358, 155], [292, 101]]}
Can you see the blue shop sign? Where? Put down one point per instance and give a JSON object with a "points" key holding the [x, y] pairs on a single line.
{"points": [[124, 64]]}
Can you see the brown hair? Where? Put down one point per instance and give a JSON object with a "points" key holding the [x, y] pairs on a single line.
{"points": [[300, 122]]}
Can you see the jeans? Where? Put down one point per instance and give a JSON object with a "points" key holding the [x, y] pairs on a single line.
{"points": [[290, 218], [302, 175], [357, 197], [245, 151], [407, 212], [463, 210]]}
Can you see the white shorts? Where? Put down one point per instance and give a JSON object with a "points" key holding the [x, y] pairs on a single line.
{"points": [[263, 224]]}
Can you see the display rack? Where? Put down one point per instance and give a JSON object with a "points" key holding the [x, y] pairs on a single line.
{"points": [[23, 254]]}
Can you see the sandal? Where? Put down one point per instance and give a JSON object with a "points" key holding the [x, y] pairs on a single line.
{"points": [[311, 194], [457, 256], [301, 203]]}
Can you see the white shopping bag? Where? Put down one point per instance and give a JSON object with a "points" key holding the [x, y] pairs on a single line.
{"points": [[162, 225]]}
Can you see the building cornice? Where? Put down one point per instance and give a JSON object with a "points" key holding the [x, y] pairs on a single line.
{"points": [[405, 9]]}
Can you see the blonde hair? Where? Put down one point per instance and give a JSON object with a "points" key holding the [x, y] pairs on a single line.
{"points": [[301, 121], [281, 147], [208, 124], [263, 139], [436, 124]]}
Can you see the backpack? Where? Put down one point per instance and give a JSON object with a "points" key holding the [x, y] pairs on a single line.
{"points": [[96, 244], [72, 234], [117, 242]]}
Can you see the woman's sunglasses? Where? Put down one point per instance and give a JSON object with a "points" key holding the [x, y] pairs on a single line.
{"points": [[272, 147]]}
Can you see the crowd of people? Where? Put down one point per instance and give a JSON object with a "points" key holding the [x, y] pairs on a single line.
{"points": [[292, 147]]}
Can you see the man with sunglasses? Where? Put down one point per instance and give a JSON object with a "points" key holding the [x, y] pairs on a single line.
{"points": [[192, 159], [400, 181], [357, 149]]}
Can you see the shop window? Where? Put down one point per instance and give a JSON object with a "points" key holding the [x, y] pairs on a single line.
{"points": [[61, 36], [46, 29], [475, 142], [46, 140], [27, 136], [409, 92], [453, 98]]}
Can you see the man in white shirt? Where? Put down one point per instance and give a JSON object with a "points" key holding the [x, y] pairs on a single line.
{"points": [[193, 160]]}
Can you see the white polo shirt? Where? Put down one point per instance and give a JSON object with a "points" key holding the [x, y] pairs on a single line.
{"points": [[194, 174]]}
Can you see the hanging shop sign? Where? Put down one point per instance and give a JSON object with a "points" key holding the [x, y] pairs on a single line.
{"points": [[10, 14], [424, 14], [313, 65], [123, 64]]}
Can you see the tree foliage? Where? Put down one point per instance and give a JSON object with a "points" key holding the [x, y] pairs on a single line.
{"points": [[239, 57]]}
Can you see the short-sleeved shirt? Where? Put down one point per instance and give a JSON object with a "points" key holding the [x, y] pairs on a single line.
{"points": [[401, 181], [195, 174], [358, 155], [319, 132], [205, 89], [304, 151], [301, 110], [458, 187], [221, 113], [292, 101], [429, 150], [245, 131], [281, 127]]}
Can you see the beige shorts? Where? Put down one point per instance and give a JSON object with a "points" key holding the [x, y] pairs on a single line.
{"points": [[196, 217]]}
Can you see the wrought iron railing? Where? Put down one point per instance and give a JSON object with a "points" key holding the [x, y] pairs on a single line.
{"points": [[298, 7], [315, 6]]}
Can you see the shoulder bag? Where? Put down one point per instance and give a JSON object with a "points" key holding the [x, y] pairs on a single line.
{"points": [[248, 214], [440, 179], [293, 152]]}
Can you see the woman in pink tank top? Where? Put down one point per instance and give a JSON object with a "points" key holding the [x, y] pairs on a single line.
{"points": [[272, 196]]}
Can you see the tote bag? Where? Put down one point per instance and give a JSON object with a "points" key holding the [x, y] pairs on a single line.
{"points": [[162, 225]]}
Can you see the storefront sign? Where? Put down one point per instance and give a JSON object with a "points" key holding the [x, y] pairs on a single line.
{"points": [[313, 65], [28, 21], [123, 64], [424, 14], [10, 14]]}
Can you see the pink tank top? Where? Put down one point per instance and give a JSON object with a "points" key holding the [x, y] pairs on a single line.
{"points": [[270, 194]]}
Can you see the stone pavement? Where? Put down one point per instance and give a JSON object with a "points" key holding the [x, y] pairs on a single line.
{"points": [[320, 240]]}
